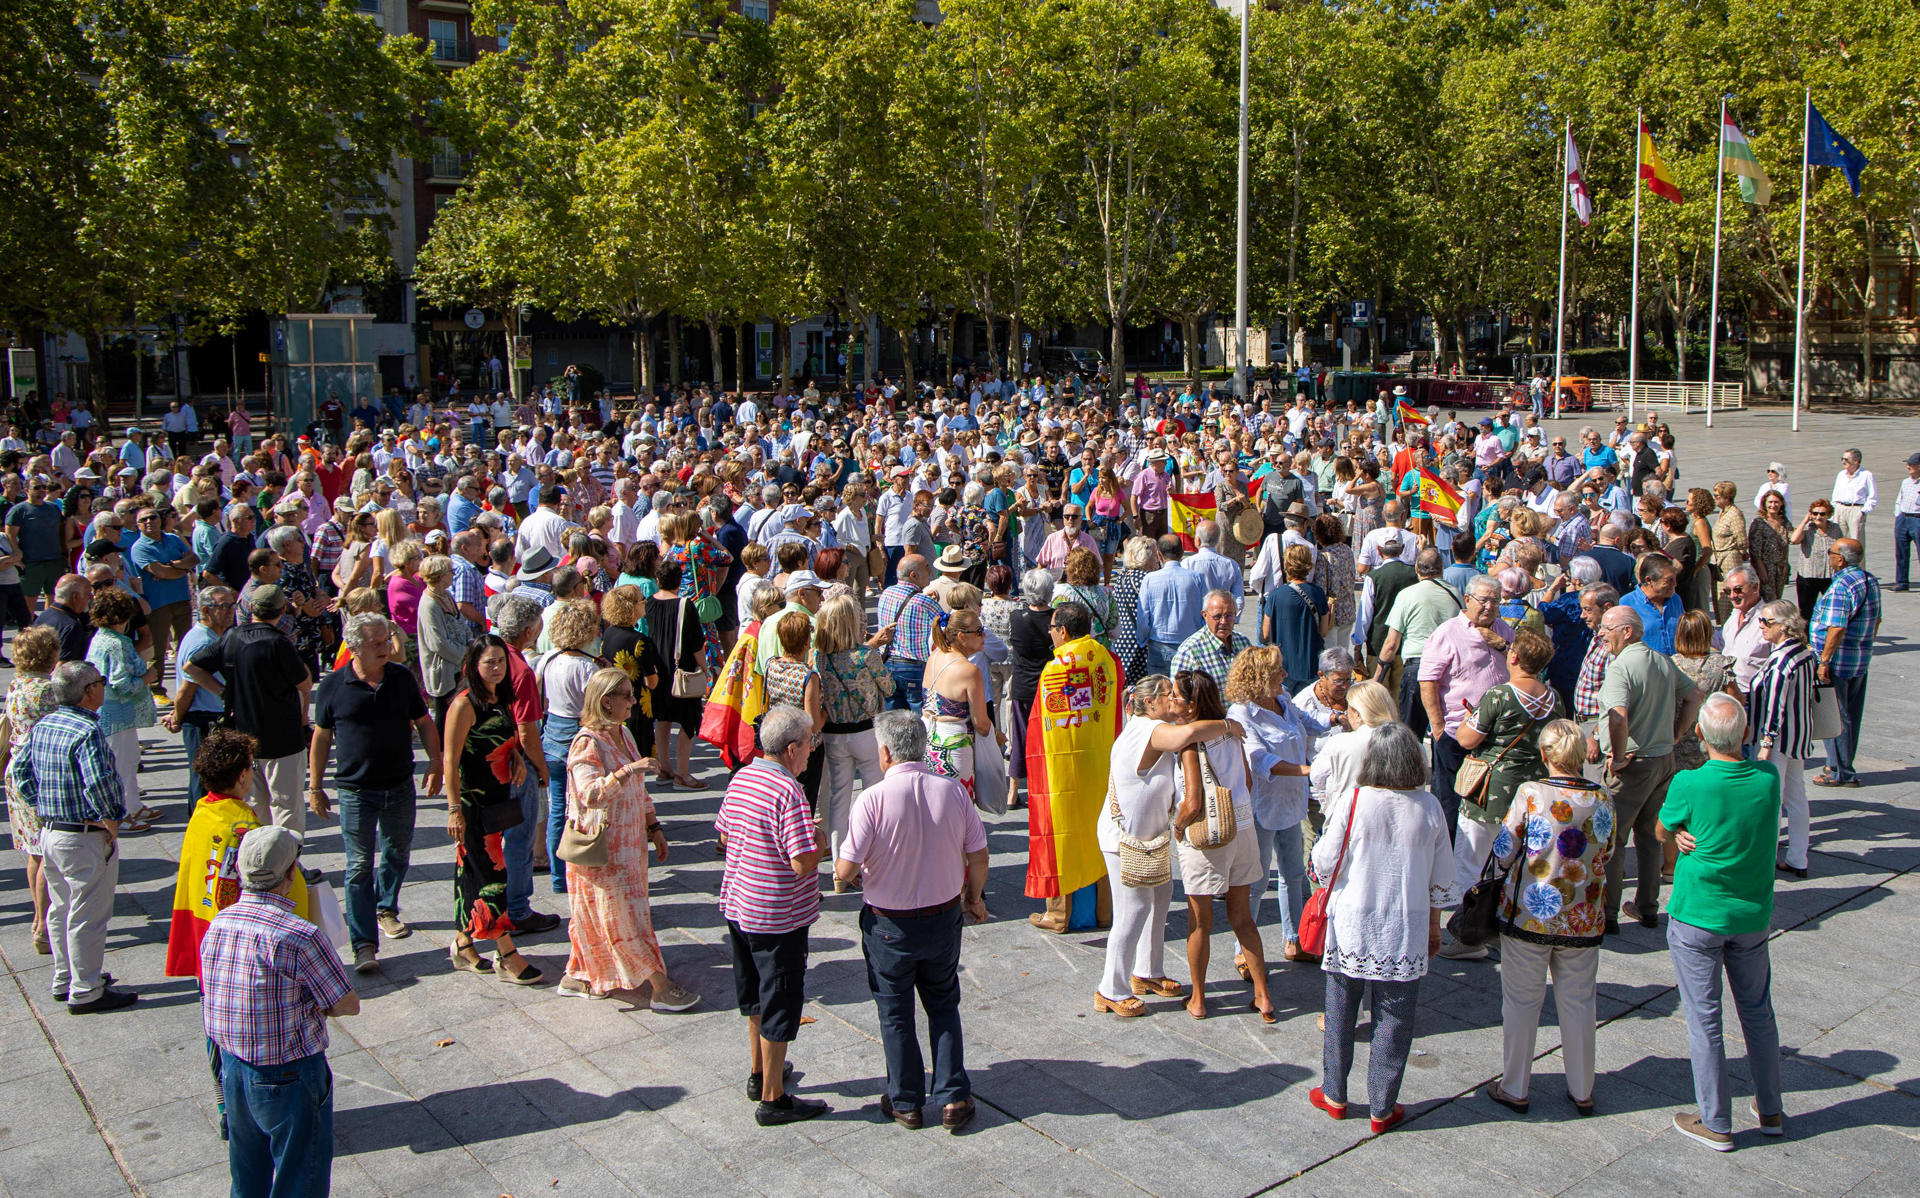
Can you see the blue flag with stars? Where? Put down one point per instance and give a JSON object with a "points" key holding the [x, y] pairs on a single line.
{"points": [[1827, 148]]}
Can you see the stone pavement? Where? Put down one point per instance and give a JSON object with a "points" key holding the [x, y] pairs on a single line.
{"points": [[451, 1084]]}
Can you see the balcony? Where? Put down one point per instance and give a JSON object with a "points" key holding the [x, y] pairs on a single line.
{"points": [[451, 51]]}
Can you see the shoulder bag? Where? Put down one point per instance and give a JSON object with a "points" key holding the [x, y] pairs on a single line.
{"points": [[1478, 919], [1823, 713], [1217, 827], [1313, 917], [687, 684], [1144, 864], [583, 848], [707, 607], [1471, 779]]}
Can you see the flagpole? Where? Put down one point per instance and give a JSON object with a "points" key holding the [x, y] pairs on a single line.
{"points": [[1560, 301], [1800, 281], [1633, 307], [1713, 317]]}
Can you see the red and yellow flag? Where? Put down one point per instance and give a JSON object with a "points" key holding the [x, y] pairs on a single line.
{"points": [[736, 701], [208, 880], [1412, 415], [1437, 499], [1185, 511], [1654, 171], [1070, 735]]}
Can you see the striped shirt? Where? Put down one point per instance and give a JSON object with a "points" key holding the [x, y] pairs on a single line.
{"points": [[1850, 603], [1782, 701], [765, 824], [267, 978]]}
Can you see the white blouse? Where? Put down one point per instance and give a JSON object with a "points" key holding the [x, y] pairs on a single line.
{"points": [[1398, 868], [1146, 799], [1336, 765]]}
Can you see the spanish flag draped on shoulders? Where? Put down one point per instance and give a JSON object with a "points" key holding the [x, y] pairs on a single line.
{"points": [[1076, 717], [209, 878]]}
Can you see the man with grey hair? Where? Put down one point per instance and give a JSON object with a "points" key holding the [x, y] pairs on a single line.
{"points": [[1464, 658], [195, 711], [1417, 610], [918, 848], [1645, 703], [1724, 819], [259, 676], [1740, 636], [67, 775], [1843, 625], [1218, 571], [1854, 495], [371, 706], [770, 897], [1214, 647]]}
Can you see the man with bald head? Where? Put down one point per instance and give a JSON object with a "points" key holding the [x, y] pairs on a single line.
{"points": [[906, 608]]}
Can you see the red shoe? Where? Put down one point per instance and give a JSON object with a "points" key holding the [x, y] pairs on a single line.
{"points": [[1393, 1120], [1334, 1110]]}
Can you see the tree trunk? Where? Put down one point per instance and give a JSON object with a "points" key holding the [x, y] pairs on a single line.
{"points": [[1016, 352], [97, 384], [742, 334], [1868, 295], [1117, 362], [906, 366], [715, 358], [1294, 336], [510, 319], [782, 355], [1376, 347], [642, 357], [953, 330], [1195, 355]]}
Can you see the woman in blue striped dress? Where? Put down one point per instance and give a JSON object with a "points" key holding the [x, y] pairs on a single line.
{"points": [[1780, 719]]}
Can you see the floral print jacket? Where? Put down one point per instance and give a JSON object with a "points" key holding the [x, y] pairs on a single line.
{"points": [[1555, 841]]}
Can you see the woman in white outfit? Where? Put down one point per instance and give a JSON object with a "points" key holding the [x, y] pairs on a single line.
{"points": [[1227, 871], [1336, 763], [1140, 806], [1780, 720]]}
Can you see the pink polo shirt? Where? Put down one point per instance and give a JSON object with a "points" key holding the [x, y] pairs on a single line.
{"points": [[910, 836], [1464, 665]]}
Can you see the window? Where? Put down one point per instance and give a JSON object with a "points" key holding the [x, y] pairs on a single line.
{"points": [[369, 6], [448, 40], [757, 10], [447, 162], [1889, 291]]}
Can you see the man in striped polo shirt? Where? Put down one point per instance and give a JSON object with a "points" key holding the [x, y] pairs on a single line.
{"points": [[770, 897]]}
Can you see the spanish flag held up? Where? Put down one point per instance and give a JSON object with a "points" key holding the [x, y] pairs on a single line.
{"points": [[1412, 415], [1437, 499], [1654, 171], [1185, 511]]}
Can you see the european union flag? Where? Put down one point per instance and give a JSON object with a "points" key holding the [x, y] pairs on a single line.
{"points": [[1827, 148]]}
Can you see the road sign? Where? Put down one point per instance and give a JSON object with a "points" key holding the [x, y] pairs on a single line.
{"points": [[475, 318], [22, 373], [1026, 340], [1362, 312]]}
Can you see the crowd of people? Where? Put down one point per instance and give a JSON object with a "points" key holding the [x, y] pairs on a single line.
{"points": [[1484, 658]]}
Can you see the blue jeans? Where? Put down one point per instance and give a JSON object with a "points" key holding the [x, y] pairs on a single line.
{"points": [[1447, 756], [1289, 844], [1851, 693], [555, 738], [917, 956], [907, 674], [1160, 657], [516, 845], [894, 554], [279, 1127], [375, 819], [190, 737], [1906, 535], [1700, 958]]}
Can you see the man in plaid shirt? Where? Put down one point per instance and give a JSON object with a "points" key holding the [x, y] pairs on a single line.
{"points": [[1844, 623], [1214, 647], [906, 608], [269, 980]]}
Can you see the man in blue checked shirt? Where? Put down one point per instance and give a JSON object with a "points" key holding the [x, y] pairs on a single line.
{"points": [[70, 779], [1844, 623]]}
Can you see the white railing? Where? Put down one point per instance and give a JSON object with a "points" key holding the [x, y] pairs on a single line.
{"points": [[1676, 397]]}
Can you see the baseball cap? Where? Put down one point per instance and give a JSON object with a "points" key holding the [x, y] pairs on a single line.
{"points": [[800, 580], [266, 854]]}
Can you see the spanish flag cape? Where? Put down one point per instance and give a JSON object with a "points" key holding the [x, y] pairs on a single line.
{"points": [[1185, 511], [736, 701], [1076, 717], [209, 878]]}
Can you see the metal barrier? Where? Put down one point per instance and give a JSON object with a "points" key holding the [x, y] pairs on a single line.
{"points": [[1666, 396]]}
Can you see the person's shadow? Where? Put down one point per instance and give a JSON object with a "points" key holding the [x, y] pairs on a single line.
{"points": [[476, 1114]]}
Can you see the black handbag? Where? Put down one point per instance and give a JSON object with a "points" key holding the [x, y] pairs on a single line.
{"points": [[498, 817], [1478, 919]]}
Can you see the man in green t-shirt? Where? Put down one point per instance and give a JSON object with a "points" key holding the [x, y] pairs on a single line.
{"points": [[1725, 819]]}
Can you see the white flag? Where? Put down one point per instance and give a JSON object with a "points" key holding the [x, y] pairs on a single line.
{"points": [[1577, 192]]}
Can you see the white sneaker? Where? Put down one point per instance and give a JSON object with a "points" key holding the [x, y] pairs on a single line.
{"points": [[1453, 950]]}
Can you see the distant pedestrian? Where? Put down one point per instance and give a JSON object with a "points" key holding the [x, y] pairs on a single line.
{"points": [[269, 982]]}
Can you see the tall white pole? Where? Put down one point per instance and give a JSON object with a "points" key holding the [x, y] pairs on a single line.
{"points": [[1633, 306], [1560, 301], [1713, 311], [1240, 235], [1800, 280]]}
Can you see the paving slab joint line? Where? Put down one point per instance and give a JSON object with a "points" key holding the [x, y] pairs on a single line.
{"points": [[1890, 875], [100, 1129]]}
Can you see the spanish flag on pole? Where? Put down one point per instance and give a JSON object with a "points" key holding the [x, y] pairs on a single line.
{"points": [[1185, 511], [1437, 499], [1654, 171], [1412, 415]]}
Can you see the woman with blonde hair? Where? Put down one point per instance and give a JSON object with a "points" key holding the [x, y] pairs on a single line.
{"points": [[1729, 543], [956, 708], [854, 684], [392, 527], [613, 946], [1553, 914], [1279, 749], [793, 682], [623, 644], [1336, 767], [404, 593], [356, 568], [563, 676], [443, 635], [1081, 584], [1780, 720], [36, 650]]}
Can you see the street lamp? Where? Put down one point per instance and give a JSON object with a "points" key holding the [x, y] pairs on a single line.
{"points": [[1240, 232]]}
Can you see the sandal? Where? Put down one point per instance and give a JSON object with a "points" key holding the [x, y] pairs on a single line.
{"points": [[140, 820], [529, 976], [1240, 964], [474, 964], [1266, 1016]]}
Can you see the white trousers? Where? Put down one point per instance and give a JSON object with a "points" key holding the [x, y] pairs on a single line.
{"points": [[1794, 807], [279, 786], [848, 753], [1524, 967], [1471, 845], [126, 761], [1137, 941], [82, 870]]}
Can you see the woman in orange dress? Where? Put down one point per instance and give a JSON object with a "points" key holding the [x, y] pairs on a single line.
{"points": [[613, 945]]}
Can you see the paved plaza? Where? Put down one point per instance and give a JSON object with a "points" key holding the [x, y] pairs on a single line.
{"points": [[448, 1083]]}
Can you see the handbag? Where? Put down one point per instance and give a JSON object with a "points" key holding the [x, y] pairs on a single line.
{"points": [[6, 743], [579, 848], [1218, 825], [989, 776], [1313, 917], [1144, 864], [877, 562], [707, 607], [498, 817], [327, 915], [1823, 714], [1471, 779], [1478, 919], [687, 684]]}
